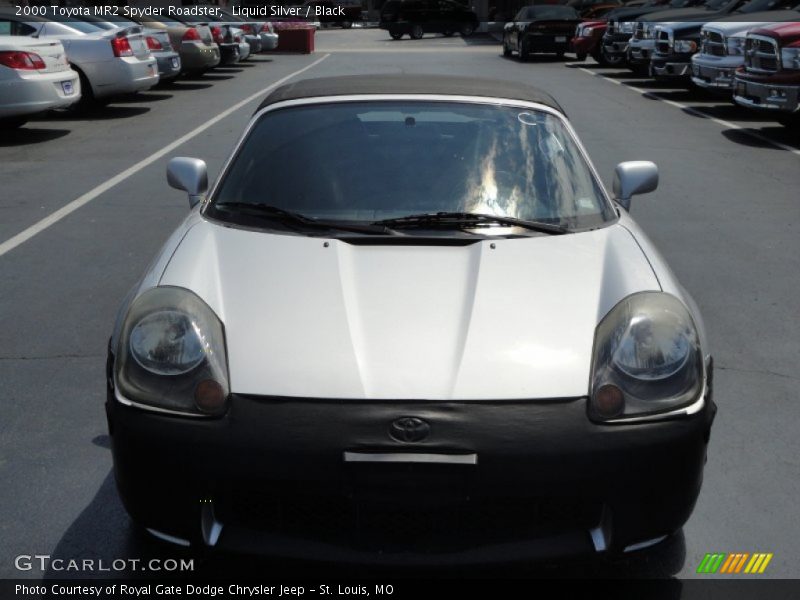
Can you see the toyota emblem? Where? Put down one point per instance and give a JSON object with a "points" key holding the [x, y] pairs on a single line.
{"points": [[409, 429]]}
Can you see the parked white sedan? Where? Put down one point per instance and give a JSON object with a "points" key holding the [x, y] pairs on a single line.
{"points": [[409, 324], [34, 77], [109, 63]]}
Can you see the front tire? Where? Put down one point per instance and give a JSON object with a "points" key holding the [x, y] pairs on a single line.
{"points": [[581, 57], [416, 32], [466, 29], [609, 61], [347, 24], [396, 35], [506, 50]]}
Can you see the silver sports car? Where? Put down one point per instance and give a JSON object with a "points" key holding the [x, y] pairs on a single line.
{"points": [[409, 324]]}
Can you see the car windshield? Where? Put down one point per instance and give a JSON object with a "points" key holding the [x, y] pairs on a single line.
{"points": [[369, 161]]}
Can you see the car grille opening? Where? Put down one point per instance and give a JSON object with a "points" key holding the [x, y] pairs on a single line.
{"points": [[407, 524], [664, 41], [761, 55], [714, 43]]}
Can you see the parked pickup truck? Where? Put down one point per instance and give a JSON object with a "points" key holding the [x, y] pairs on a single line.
{"points": [[621, 23], [770, 78], [722, 48], [676, 43], [587, 40]]}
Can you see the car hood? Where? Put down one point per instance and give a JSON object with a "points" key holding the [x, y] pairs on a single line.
{"points": [[314, 318], [788, 33], [730, 28]]}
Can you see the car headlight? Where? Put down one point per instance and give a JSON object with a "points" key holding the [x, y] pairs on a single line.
{"points": [[171, 354], [647, 359], [626, 26], [790, 57], [734, 46], [684, 46]]}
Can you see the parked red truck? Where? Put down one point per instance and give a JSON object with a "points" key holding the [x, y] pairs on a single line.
{"points": [[587, 40], [769, 81]]}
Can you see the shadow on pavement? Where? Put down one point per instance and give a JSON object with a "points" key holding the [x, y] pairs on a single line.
{"points": [[101, 113], [142, 97], [649, 84], [685, 96], [778, 134], [209, 77], [104, 532], [183, 86], [28, 135], [727, 112]]}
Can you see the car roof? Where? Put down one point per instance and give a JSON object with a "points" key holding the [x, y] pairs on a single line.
{"points": [[408, 84]]}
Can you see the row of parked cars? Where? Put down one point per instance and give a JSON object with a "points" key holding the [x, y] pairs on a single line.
{"points": [[47, 63], [746, 50]]}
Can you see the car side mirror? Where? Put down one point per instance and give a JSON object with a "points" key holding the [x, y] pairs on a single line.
{"points": [[632, 178], [189, 175]]}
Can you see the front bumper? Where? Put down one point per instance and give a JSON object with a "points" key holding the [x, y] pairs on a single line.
{"points": [[302, 478], [767, 96], [671, 67], [715, 73], [28, 93], [640, 52], [616, 45], [584, 45], [548, 43]]}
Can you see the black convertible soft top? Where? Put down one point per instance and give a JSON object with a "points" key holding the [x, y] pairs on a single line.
{"points": [[408, 84]]}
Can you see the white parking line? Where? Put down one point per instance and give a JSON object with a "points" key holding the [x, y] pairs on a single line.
{"points": [[699, 113], [68, 209]]}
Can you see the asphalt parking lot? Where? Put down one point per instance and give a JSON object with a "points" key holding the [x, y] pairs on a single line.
{"points": [[726, 217]]}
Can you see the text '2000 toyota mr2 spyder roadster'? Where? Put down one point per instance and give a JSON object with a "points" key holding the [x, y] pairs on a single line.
{"points": [[408, 323]]}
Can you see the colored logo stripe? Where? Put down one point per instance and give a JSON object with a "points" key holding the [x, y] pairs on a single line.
{"points": [[758, 564], [720, 562], [710, 563]]}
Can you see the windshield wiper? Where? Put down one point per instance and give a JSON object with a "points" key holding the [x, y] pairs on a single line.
{"points": [[466, 219], [286, 216]]}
